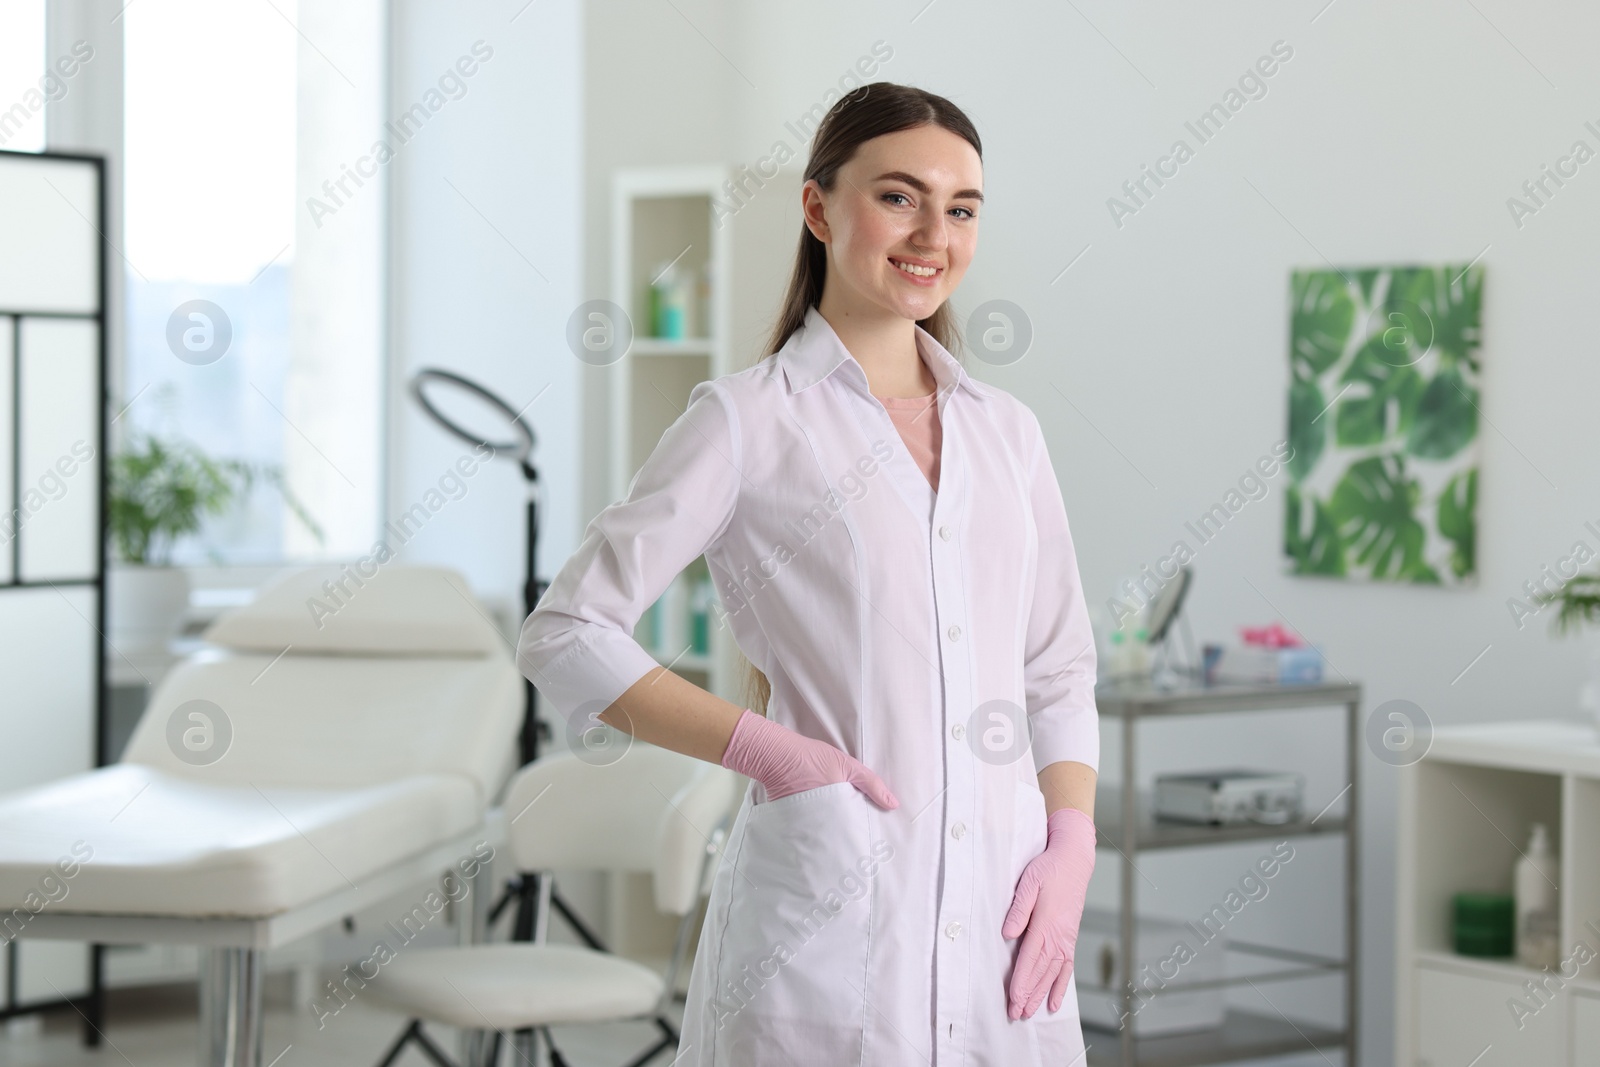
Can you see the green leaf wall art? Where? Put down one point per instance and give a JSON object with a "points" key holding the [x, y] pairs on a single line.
{"points": [[1383, 418]]}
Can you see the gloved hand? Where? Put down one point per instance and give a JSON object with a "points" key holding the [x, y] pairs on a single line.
{"points": [[785, 762], [1049, 903]]}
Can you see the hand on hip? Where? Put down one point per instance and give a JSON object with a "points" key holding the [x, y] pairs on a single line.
{"points": [[785, 762]]}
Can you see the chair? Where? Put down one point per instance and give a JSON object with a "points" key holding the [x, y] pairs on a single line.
{"points": [[340, 743], [651, 810]]}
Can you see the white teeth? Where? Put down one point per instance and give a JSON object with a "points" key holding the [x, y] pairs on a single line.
{"points": [[920, 272]]}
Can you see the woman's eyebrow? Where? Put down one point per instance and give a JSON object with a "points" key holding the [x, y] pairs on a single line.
{"points": [[922, 187]]}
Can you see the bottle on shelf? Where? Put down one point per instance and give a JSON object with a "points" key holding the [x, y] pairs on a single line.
{"points": [[1538, 924], [1117, 659], [1139, 653], [669, 301], [1129, 660]]}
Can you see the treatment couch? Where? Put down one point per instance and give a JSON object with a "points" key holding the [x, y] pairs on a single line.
{"points": [[340, 741]]}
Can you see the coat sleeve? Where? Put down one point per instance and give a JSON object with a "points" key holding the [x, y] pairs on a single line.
{"points": [[1059, 653], [577, 646]]}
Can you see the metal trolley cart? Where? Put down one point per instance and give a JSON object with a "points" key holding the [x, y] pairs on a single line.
{"points": [[1242, 1035]]}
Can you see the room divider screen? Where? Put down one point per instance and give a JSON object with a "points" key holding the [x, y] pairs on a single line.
{"points": [[53, 542]]}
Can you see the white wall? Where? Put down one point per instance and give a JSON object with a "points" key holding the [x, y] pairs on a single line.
{"points": [[1395, 134], [485, 260]]}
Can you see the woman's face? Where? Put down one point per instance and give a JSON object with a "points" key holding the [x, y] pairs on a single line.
{"points": [[905, 199]]}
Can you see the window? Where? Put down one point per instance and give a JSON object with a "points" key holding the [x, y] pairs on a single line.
{"points": [[24, 87], [227, 343]]}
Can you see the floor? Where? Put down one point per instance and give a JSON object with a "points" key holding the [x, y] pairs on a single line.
{"points": [[155, 1027]]}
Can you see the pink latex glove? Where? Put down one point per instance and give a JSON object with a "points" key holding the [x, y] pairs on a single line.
{"points": [[785, 762], [1049, 902]]}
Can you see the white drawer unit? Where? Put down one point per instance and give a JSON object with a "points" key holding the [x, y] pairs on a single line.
{"points": [[1583, 1025], [1463, 1018], [1465, 812]]}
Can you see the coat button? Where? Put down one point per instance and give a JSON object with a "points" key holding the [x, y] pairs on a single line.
{"points": [[955, 633], [952, 930], [944, 533], [958, 830], [958, 731]]}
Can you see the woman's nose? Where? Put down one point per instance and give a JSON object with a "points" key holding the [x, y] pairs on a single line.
{"points": [[930, 233]]}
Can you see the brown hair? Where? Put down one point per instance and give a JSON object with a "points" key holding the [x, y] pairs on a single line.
{"points": [[860, 115]]}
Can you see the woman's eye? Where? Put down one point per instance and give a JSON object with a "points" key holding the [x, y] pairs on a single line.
{"points": [[970, 213], [902, 196]]}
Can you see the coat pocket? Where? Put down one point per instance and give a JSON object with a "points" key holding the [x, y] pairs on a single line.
{"points": [[792, 971], [1029, 827]]}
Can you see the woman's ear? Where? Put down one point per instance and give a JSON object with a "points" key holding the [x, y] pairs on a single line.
{"points": [[813, 209]]}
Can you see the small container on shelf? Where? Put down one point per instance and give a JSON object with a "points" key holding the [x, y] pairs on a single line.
{"points": [[1139, 659], [1129, 659], [1254, 664], [1271, 655], [1483, 924], [670, 298], [1538, 935]]}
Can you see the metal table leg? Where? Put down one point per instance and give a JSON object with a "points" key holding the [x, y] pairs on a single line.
{"points": [[1130, 848], [1352, 889], [230, 1007], [524, 1049], [473, 1046]]}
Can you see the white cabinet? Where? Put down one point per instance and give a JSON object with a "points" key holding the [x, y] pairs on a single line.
{"points": [[1584, 1013], [1464, 1019], [1465, 813]]}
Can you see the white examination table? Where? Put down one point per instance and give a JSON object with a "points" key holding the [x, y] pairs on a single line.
{"points": [[350, 740]]}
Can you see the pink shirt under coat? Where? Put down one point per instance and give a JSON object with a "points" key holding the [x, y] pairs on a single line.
{"points": [[917, 419]]}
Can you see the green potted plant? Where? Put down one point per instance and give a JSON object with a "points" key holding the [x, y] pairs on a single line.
{"points": [[1579, 600], [161, 490]]}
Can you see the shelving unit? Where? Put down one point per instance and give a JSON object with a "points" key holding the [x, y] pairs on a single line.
{"points": [[1242, 1035], [1465, 813], [668, 214], [695, 217]]}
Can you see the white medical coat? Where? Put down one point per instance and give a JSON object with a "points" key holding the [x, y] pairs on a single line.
{"points": [[940, 638]]}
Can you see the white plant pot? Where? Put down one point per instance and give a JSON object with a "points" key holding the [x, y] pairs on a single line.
{"points": [[145, 604], [1589, 689]]}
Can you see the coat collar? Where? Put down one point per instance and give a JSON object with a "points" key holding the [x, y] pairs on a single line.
{"points": [[814, 352]]}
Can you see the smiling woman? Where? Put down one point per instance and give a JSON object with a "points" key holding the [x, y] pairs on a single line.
{"points": [[926, 685]]}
